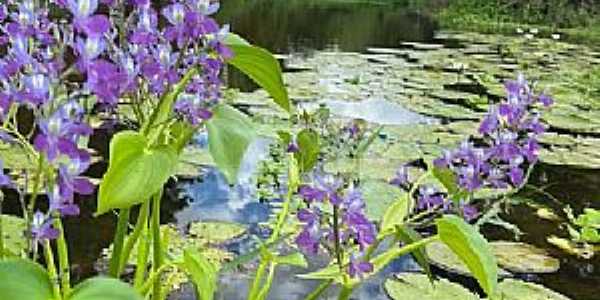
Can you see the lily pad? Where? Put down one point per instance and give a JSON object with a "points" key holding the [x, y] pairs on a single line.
{"points": [[523, 258], [511, 289], [410, 286], [13, 230]]}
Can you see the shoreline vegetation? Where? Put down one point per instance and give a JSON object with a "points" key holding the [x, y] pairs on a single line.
{"points": [[577, 21]]}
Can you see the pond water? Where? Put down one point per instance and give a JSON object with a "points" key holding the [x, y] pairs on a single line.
{"points": [[303, 28]]}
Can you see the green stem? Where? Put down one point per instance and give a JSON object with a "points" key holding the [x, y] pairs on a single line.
{"points": [[1, 229], [63, 258], [257, 280], [115, 260], [36, 187], [267, 286], [345, 292], [141, 223], [142, 259], [319, 290], [51, 267], [169, 96], [336, 236], [157, 257], [155, 276]]}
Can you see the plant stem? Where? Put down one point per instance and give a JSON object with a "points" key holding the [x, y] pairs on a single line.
{"points": [[257, 280], [319, 290], [115, 259], [142, 259], [345, 292], [141, 223], [63, 258], [51, 267], [265, 289], [336, 236], [157, 259], [36, 187], [1, 229]]}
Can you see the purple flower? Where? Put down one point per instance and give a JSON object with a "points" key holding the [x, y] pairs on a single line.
{"points": [[309, 238], [5, 180], [41, 228], [205, 7], [516, 176], [357, 267], [81, 9], [107, 81], [401, 179], [3, 13], [311, 194], [546, 100], [430, 198], [491, 122], [469, 212], [293, 147]]}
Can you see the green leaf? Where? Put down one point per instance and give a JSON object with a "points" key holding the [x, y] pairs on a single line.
{"points": [[135, 172], [23, 279], [234, 39], [472, 249], [394, 215], [408, 236], [262, 67], [448, 179], [308, 142], [330, 272], [294, 259], [230, 133], [202, 272], [100, 288]]}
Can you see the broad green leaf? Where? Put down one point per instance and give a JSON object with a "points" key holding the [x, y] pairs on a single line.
{"points": [[230, 133], [202, 272], [235, 39], [294, 259], [394, 215], [472, 248], [408, 236], [23, 279], [262, 67], [101, 288], [135, 172], [308, 142]]}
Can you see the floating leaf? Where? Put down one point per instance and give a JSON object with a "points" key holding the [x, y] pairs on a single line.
{"points": [[523, 258], [409, 286], [294, 259], [135, 171], [512, 289], [230, 133], [471, 248], [13, 230]]}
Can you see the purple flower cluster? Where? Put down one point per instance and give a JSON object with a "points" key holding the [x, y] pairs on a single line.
{"points": [[347, 223], [509, 142], [507, 148], [138, 51]]}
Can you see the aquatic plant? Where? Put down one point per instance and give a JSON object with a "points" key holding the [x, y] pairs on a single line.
{"points": [[66, 61]]}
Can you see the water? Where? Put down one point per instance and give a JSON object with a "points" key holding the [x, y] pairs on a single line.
{"points": [[301, 27]]}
